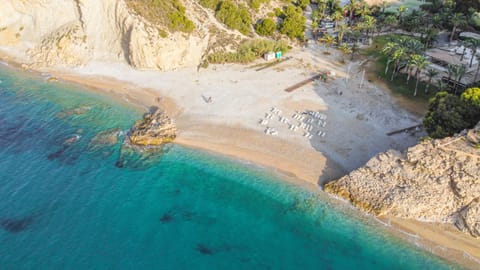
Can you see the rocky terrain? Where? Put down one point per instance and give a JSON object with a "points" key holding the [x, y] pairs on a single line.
{"points": [[154, 129], [434, 181], [47, 33]]}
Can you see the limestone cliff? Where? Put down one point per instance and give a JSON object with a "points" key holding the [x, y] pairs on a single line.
{"points": [[434, 181], [73, 32]]}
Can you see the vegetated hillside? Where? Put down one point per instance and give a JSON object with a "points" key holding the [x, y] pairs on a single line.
{"points": [[146, 34], [169, 14]]}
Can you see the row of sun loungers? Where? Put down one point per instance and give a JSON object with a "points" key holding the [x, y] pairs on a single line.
{"points": [[275, 111], [271, 131], [309, 121]]}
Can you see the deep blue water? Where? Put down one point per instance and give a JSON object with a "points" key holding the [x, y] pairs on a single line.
{"points": [[65, 205]]}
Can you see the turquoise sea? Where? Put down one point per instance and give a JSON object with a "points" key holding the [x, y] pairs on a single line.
{"points": [[66, 204]]}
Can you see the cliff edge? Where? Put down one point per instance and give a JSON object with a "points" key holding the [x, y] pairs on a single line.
{"points": [[434, 181], [74, 32]]}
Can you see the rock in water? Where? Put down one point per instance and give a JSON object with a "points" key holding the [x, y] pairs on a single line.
{"points": [[154, 129], [434, 181]]}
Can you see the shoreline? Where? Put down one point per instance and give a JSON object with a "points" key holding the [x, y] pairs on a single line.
{"points": [[300, 163]]}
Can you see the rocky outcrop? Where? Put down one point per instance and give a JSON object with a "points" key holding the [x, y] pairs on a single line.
{"points": [[154, 129], [434, 181], [74, 32]]}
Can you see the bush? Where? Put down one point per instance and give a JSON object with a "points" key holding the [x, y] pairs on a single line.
{"points": [[167, 13], [234, 17], [448, 114], [256, 3], [211, 4], [248, 51], [303, 3], [294, 23], [266, 27]]}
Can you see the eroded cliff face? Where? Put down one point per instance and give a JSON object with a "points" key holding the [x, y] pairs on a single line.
{"points": [[434, 181], [74, 32]]}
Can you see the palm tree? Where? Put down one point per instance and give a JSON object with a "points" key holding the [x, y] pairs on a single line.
{"points": [[345, 49], [430, 35], [474, 44], [458, 72], [322, 6], [351, 6], [458, 20], [328, 40], [341, 32], [337, 16], [369, 23], [391, 21], [397, 56], [388, 49], [364, 10], [431, 73], [401, 9], [420, 62]]}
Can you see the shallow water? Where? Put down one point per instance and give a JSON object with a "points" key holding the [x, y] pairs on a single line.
{"points": [[65, 205]]}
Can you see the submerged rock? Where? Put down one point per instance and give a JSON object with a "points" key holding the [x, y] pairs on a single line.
{"points": [[434, 181], [75, 111], [16, 225], [154, 129]]}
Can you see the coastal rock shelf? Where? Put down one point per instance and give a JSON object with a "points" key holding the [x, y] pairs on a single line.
{"points": [[434, 181], [154, 129]]}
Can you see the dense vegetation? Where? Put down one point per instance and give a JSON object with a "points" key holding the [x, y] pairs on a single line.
{"points": [[168, 13], [448, 114], [248, 51]]}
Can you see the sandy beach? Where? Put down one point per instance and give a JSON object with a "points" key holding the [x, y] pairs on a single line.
{"points": [[227, 109]]}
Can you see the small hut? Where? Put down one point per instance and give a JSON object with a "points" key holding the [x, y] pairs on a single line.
{"points": [[269, 56]]}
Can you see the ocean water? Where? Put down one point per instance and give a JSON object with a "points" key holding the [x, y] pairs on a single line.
{"points": [[66, 204]]}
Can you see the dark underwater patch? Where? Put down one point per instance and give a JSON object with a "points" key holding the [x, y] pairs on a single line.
{"points": [[203, 249], [13, 225]]}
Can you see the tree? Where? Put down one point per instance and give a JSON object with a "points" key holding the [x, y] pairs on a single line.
{"points": [[337, 16], [266, 27], [473, 45], [457, 20], [429, 38], [445, 115], [328, 40], [352, 4], [431, 73], [303, 3], [391, 21], [369, 24], [341, 33], [458, 72], [419, 62], [388, 49], [397, 56], [345, 49], [401, 10]]}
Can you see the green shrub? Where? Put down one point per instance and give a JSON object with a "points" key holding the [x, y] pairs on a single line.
{"points": [[266, 27], [256, 3], [166, 13], [303, 3], [212, 4], [448, 114], [294, 23], [234, 17], [248, 51]]}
